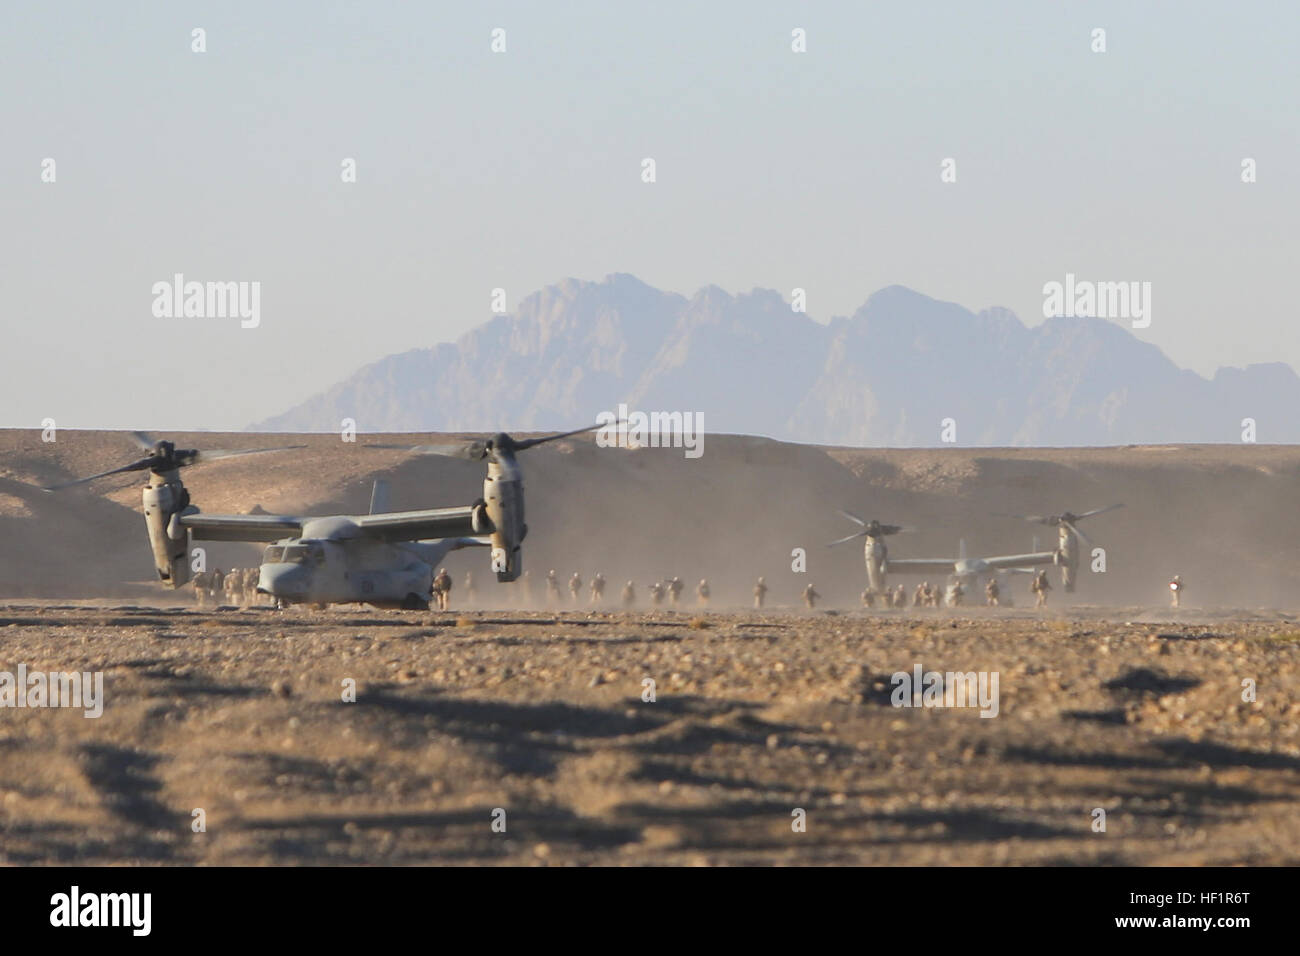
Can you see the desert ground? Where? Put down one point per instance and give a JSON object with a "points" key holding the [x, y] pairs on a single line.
{"points": [[756, 715]]}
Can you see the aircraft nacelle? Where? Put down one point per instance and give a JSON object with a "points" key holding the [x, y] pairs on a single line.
{"points": [[877, 560], [503, 494], [165, 499]]}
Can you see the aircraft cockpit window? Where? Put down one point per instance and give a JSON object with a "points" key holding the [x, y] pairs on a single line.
{"points": [[273, 555], [312, 554]]}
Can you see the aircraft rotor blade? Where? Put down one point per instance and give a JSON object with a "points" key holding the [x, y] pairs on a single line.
{"points": [[856, 534], [1097, 511], [145, 441], [140, 465], [478, 449], [531, 442], [194, 457], [854, 518], [1038, 519], [179, 459], [467, 451]]}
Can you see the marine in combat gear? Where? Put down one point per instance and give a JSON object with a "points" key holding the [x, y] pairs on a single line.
{"points": [[1175, 590], [235, 586], [810, 596], [991, 592], [702, 591], [629, 594], [760, 593], [201, 585], [575, 587], [597, 588], [675, 587], [1040, 587], [442, 589]]}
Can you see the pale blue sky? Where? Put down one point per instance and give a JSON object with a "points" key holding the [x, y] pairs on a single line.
{"points": [[479, 170]]}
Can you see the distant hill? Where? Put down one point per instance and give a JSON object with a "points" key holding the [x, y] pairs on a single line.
{"points": [[886, 376]]}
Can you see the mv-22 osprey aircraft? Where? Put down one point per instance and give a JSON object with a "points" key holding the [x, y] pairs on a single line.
{"points": [[382, 558], [964, 569]]}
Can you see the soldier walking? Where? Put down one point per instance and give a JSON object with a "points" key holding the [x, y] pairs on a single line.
{"points": [[760, 592], [575, 587], [1175, 590], [629, 594], [702, 592], [810, 596], [598, 588], [991, 592], [1040, 587], [675, 587], [552, 587], [234, 587], [442, 590], [200, 588]]}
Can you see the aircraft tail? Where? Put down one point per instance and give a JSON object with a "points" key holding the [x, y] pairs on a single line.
{"points": [[379, 497]]}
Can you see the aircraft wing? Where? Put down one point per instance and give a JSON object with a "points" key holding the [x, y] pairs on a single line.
{"points": [[919, 566], [1021, 561], [419, 525], [242, 527]]}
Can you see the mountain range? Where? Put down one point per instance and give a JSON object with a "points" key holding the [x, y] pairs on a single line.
{"points": [[888, 375]]}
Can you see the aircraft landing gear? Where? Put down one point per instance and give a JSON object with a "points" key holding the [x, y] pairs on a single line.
{"points": [[413, 602]]}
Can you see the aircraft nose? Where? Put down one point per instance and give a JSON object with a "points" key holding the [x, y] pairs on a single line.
{"points": [[283, 580]]}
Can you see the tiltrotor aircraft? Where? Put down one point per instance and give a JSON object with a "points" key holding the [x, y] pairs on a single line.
{"points": [[383, 558], [963, 568], [1068, 535]]}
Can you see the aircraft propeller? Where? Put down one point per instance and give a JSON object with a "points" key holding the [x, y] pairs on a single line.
{"points": [[163, 456], [486, 448], [870, 529], [1067, 519]]}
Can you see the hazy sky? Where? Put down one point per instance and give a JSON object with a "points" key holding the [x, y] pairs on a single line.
{"points": [[477, 170]]}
